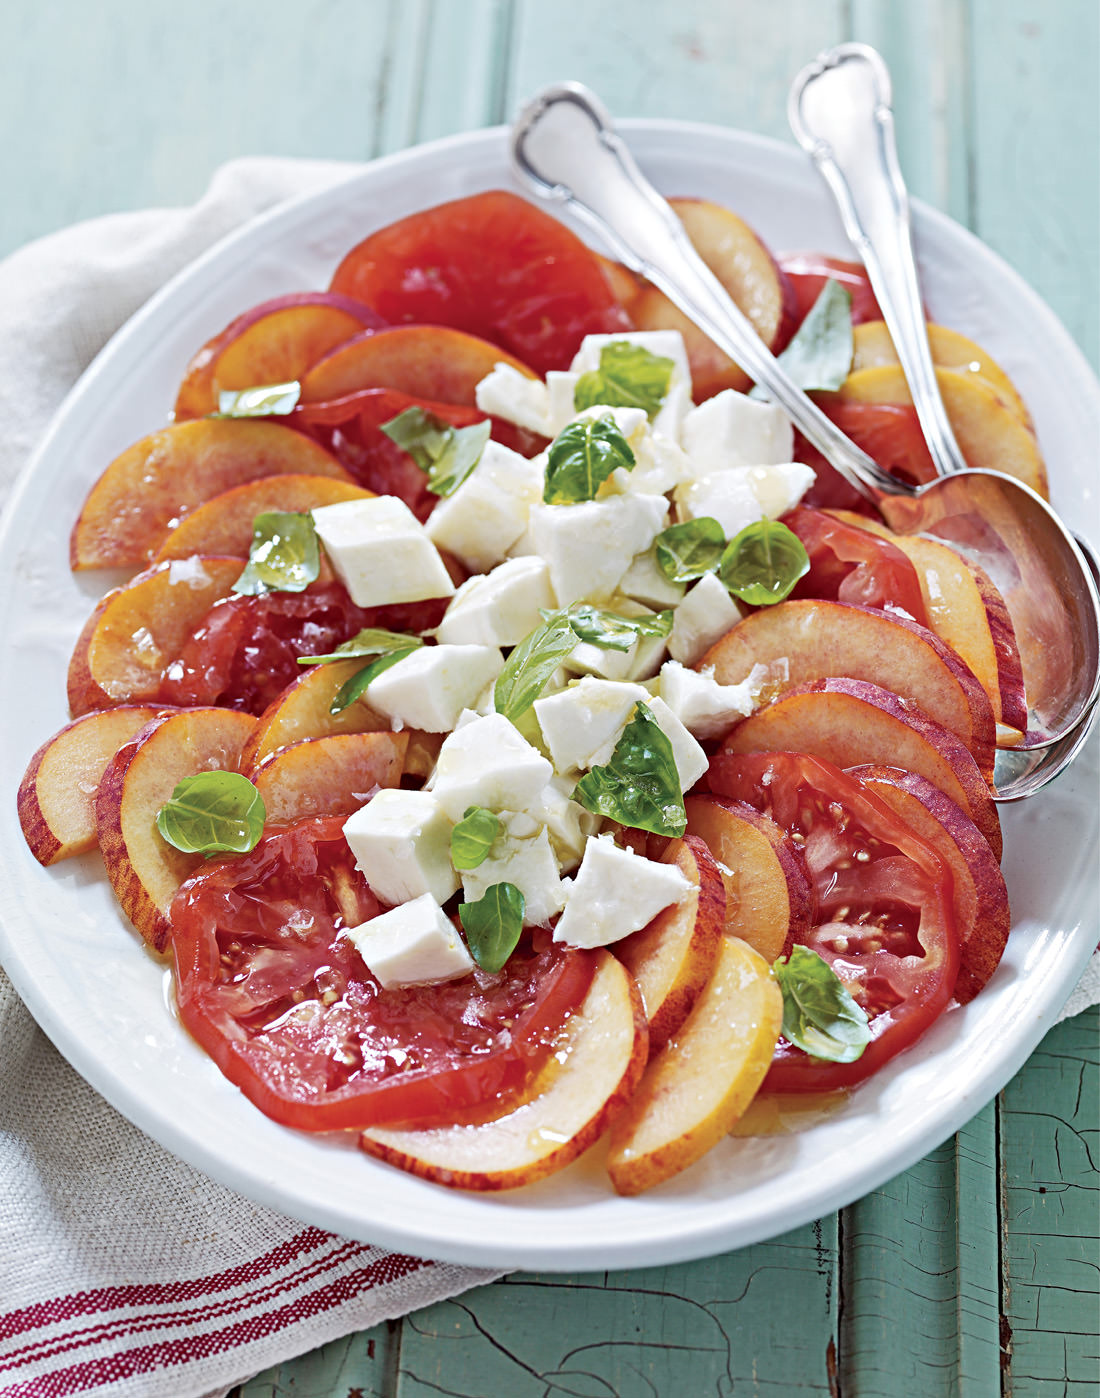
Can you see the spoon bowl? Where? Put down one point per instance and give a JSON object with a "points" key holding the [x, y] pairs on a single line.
{"points": [[566, 149]]}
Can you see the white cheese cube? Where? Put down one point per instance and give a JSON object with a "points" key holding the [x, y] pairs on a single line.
{"points": [[529, 863], [667, 343], [703, 617], [414, 944], [779, 488], [616, 892], [582, 724], [485, 762], [488, 512], [402, 842], [691, 761], [507, 393], [727, 496], [644, 582], [659, 466], [706, 708], [560, 388], [498, 608], [590, 546], [381, 552], [430, 688], [567, 822], [732, 429], [640, 662]]}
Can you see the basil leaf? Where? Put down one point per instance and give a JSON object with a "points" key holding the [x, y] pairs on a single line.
{"points": [[267, 400], [212, 812], [372, 640], [447, 454], [493, 924], [762, 564], [582, 457], [819, 354], [612, 630], [528, 669], [285, 555], [628, 377], [690, 550], [640, 785], [819, 1015], [351, 689], [473, 836]]}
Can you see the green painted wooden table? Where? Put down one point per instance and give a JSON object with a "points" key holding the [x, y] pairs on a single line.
{"points": [[976, 1272]]}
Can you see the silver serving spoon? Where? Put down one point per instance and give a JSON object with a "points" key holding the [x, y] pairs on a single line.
{"points": [[565, 147], [840, 112]]}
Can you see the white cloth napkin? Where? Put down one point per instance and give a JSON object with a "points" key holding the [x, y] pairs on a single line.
{"points": [[122, 1270]]}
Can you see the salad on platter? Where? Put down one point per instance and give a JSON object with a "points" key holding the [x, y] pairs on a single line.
{"points": [[513, 732]]}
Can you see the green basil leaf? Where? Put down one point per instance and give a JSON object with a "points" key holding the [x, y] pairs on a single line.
{"points": [[613, 631], [285, 555], [528, 669], [473, 836], [351, 689], [582, 457], [640, 785], [762, 564], [447, 454], [213, 812], [372, 640], [819, 1015], [819, 354], [628, 377], [493, 924], [690, 550], [266, 400]]}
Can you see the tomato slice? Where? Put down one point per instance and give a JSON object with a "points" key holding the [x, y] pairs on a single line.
{"points": [[493, 265], [245, 651], [889, 433], [350, 428], [276, 993], [849, 564], [884, 918], [808, 272]]}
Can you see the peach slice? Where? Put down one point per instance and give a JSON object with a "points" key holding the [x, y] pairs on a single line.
{"points": [[57, 794], [990, 435], [966, 610], [587, 1079], [425, 361], [769, 900], [272, 343], [748, 272], [137, 630], [147, 490], [672, 958], [982, 914], [329, 776], [224, 524], [703, 1079], [802, 641], [145, 871], [851, 722], [873, 348]]}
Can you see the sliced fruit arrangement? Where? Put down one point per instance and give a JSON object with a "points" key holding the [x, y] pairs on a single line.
{"points": [[780, 850]]}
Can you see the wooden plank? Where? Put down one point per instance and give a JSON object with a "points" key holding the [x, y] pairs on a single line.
{"points": [[695, 60], [702, 1328], [1036, 134], [927, 48], [118, 106], [920, 1266], [1050, 1146], [363, 1364]]}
